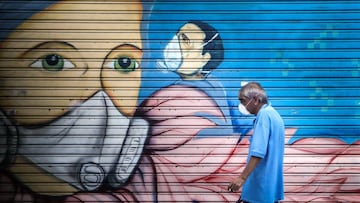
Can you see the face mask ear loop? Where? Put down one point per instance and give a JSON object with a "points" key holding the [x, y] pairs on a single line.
{"points": [[210, 40], [249, 102], [205, 73]]}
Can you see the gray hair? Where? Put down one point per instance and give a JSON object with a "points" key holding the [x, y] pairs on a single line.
{"points": [[254, 90]]}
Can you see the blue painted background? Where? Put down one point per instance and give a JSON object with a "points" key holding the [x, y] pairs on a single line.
{"points": [[304, 53]]}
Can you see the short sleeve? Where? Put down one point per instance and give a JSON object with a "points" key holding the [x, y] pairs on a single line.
{"points": [[260, 137]]}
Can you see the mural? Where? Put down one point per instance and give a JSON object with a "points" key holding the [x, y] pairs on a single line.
{"points": [[136, 101]]}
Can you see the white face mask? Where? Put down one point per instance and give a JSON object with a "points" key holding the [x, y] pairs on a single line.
{"points": [[243, 109], [94, 143], [172, 56]]}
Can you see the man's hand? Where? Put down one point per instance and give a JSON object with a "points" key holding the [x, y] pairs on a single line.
{"points": [[236, 184], [239, 181]]}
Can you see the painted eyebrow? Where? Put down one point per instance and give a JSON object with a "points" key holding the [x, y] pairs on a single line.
{"points": [[55, 42], [126, 44], [48, 42], [184, 37], [122, 45]]}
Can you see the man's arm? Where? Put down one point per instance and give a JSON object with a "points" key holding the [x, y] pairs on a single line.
{"points": [[239, 181]]}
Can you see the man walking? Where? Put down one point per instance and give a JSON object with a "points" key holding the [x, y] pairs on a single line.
{"points": [[262, 178]]}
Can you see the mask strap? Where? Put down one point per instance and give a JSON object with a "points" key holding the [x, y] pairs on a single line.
{"points": [[210, 40], [205, 73], [249, 102]]}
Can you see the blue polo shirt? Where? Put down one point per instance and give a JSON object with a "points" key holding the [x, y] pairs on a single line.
{"points": [[265, 183]]}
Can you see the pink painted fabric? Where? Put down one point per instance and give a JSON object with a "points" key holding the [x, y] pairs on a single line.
{"points": [[178, 166]]}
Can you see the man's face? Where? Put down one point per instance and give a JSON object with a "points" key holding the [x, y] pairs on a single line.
{"points": [[61, 57], [246, 101], [191, 39], [243, 99]]}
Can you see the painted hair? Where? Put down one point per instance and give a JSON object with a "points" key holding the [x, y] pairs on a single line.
{"points": [[214, 46], [13, 13]]}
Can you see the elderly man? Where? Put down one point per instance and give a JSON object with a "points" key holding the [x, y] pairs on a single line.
{"points": [[263, 175]]}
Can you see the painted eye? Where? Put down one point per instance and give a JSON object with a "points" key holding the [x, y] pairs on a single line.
{"points": [[52, 62], [185, 39], [123, 64]]}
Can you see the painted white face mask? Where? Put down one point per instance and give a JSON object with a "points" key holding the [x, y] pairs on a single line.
{"points": [[243, 109], [90, 145], [173, 57]]}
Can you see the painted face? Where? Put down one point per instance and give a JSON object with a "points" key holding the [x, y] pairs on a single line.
{"points": [[191, 39], [56, 67], [56, 60]]}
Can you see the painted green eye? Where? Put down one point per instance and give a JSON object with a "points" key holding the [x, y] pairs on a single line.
{"points": [[123, 64], [52, 62]]}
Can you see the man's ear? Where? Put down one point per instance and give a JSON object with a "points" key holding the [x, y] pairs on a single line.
{"points": [[206, 58]]}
